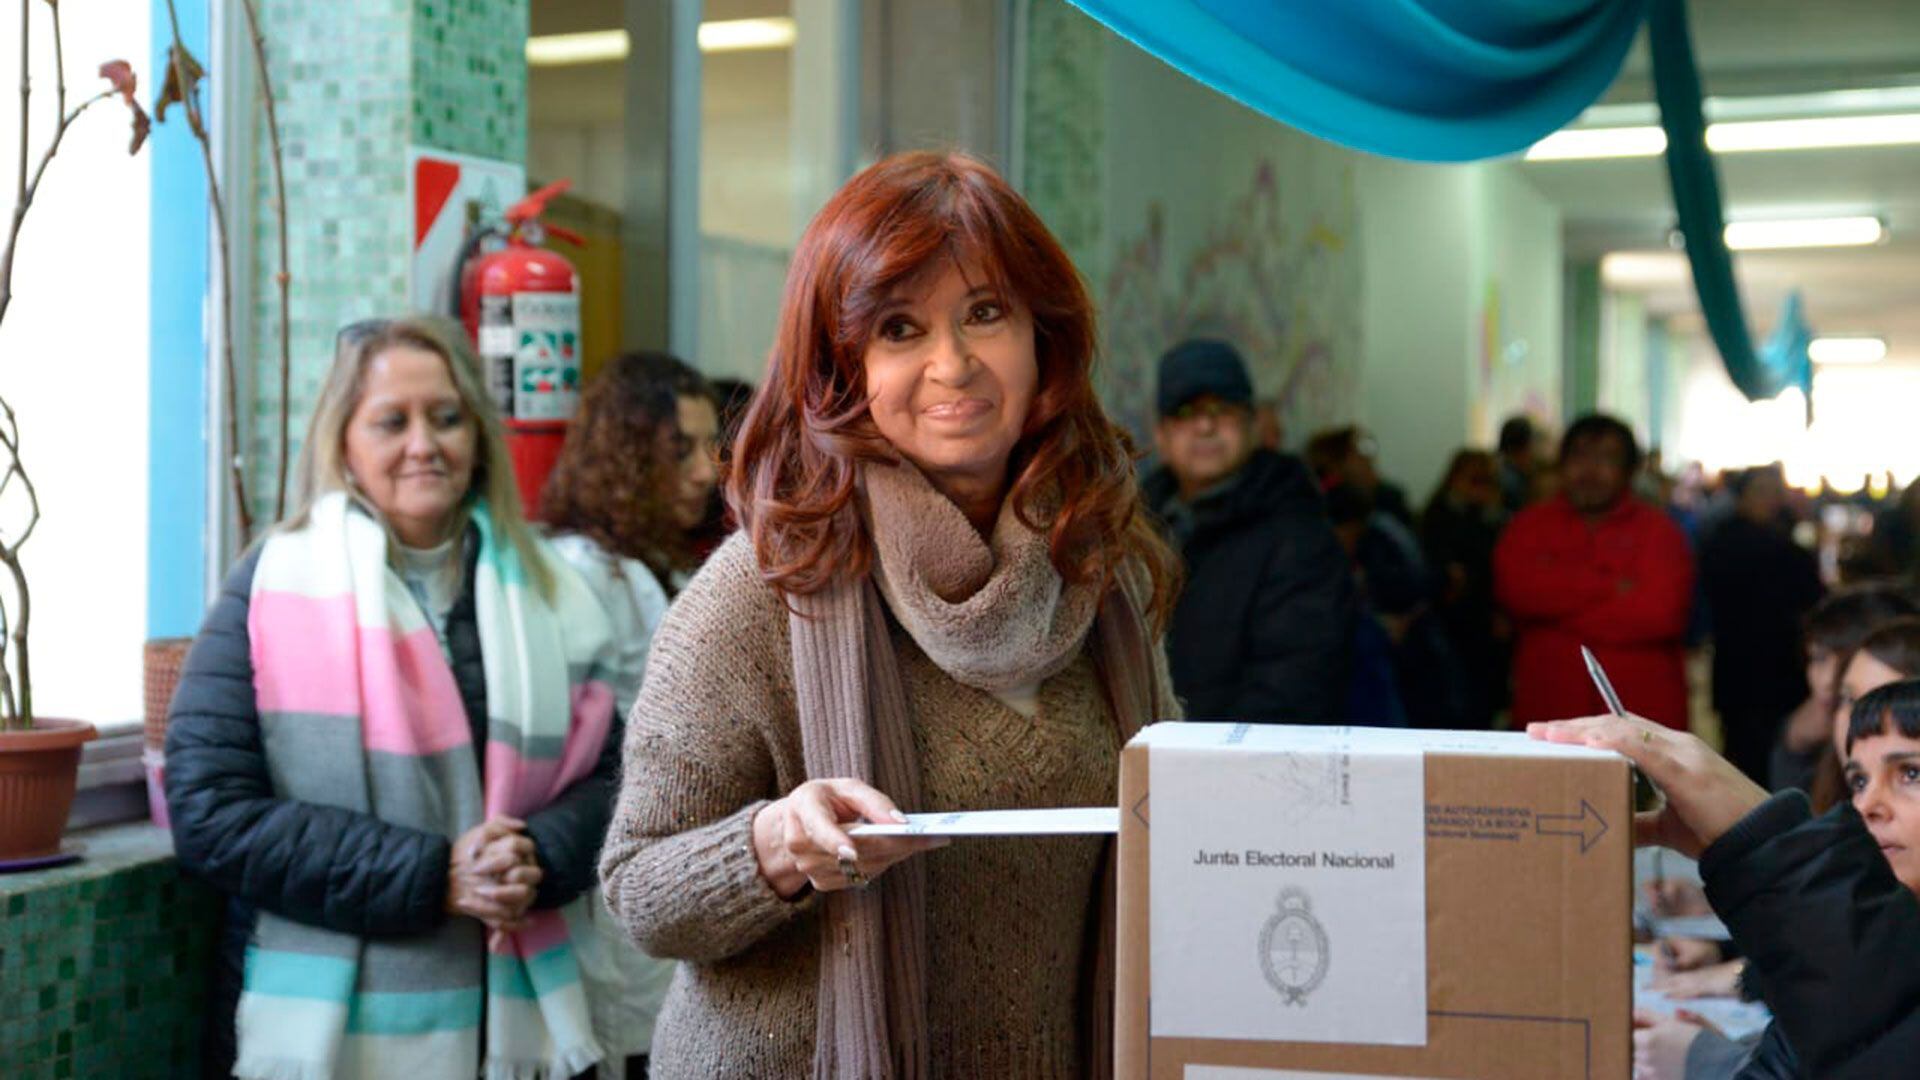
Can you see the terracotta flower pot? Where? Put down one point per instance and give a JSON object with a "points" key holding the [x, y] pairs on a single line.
{"points": [[38, 769]]}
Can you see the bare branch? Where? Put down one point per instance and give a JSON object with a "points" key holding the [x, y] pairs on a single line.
{"points": [[10, 558], [194, 123], [59, 70], [10, 438], [26, 95], [30, 189], [6, 676], [285, 277]]}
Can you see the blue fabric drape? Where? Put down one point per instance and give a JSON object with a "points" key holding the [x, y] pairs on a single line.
{"points": [[1696, 198], [1426, 80], [1786, 359], [1461, 80]]}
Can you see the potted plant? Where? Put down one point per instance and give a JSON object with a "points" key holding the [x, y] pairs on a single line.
{"points": [[39, 757]]}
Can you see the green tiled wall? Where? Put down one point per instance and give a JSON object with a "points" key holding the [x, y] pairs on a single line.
{"points": [[470, 76], [357, 82], [103, 963]]}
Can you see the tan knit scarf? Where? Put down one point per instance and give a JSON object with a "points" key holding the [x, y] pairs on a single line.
{"points": [[994, 615]]}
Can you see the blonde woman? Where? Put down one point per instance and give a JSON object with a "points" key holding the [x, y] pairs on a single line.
{"points": [[393, 749]]}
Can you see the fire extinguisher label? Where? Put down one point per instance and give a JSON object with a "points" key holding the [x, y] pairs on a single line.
{"points": [[546, 356], [496, 340]]}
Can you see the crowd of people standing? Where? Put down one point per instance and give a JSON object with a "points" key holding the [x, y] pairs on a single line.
{"points": [[491, 796]]}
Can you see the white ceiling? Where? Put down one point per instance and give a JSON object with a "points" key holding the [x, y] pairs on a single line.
{"points": [[1759, 47]]}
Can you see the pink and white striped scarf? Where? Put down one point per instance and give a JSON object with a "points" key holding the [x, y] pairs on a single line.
{"points": [[359, 709]]}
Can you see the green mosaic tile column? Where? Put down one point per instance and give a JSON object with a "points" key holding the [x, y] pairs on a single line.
{"points": [[470, 76], [358, 82], [103, 964]]}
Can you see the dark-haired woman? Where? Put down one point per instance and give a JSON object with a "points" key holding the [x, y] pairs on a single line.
{"points": [[633, 480], [1831, 632], [944, 596], [638, 467], [1458, 530], [1824, 908]]}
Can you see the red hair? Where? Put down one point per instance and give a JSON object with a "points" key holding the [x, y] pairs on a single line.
{"points": [[790, 480]]}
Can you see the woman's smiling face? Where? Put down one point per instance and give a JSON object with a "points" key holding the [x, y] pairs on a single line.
{"points": [[951, 373], [410, 444]]}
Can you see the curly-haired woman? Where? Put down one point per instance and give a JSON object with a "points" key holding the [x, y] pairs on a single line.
{"points": [[633, 480], [635, 476], [942, 597]]}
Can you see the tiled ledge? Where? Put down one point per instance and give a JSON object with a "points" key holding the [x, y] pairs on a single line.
{"points": [[103, 962]]}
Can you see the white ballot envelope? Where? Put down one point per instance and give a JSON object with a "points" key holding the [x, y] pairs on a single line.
{"points": [[1065, 821]]}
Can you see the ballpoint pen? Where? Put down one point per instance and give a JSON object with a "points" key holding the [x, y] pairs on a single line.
{"points": [[1645, 795]]}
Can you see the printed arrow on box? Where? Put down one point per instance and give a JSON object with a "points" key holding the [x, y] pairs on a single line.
{"points": [[1588, 825]]}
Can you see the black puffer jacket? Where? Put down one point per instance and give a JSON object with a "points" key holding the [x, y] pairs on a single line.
{"points": [[324, 865], [1264, 629], [1833, 936]]}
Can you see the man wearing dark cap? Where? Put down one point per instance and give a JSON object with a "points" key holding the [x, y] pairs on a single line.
{"points": [[1263, 629]]}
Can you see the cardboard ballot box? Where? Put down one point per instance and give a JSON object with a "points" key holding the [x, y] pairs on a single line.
{"points": [[1349, 904]]}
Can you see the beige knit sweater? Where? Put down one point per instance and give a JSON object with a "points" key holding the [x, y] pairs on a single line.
{"points": [[714, 737]]}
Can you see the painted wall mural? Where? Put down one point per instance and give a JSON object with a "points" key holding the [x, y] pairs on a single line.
{"points": [[1284, 289]]}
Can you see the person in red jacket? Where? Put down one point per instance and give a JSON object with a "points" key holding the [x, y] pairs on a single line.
{"points": [[1596, 567]]}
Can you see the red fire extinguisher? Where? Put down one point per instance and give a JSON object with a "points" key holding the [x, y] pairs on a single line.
{"points": [[521, 306]]}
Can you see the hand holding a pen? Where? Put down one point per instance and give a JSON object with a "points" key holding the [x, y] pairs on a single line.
{"points": [[1705, 794]]}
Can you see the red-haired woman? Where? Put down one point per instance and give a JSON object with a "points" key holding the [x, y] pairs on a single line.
{"points": [[944, 596]]}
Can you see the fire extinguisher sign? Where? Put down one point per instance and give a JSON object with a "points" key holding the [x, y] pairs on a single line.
{"points": [[546, 357], [530, 343]]}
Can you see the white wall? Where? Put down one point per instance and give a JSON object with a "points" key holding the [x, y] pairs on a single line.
{"points": [[1418, 237], [1462, 315], [73, 364], [1624, 390], [1518, 343]]}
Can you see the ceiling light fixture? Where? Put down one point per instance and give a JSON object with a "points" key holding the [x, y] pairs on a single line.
{"points": [[613, 46], [1589, 144], [1804, 233], [1734, 137], [741, 35], [1644, 270], [593, 47], [1847, 350]]}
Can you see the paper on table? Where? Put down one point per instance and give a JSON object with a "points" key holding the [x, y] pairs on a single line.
{"points": [[1069, 821], [1736, 1019], [1702, 927]]}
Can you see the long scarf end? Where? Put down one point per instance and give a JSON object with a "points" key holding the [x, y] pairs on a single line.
{"points": [[271, 1068], [563, 1065]]}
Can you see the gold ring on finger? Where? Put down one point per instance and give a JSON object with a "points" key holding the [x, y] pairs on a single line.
{"points": [[851, 871]]}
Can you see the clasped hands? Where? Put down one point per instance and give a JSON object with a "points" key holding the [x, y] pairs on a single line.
{"points": [[493, 874]]}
